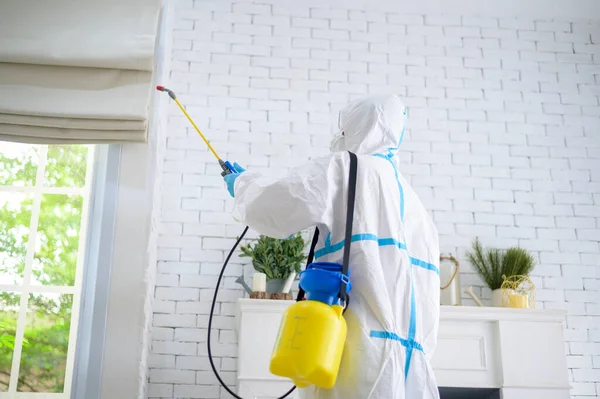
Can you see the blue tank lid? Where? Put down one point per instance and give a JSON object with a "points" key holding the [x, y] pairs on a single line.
{"points": [[322, 282]]}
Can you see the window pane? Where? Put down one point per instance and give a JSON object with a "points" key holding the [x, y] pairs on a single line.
{"points": [[44, 357], [65, 166], [9, 311], [55, 259], [18, 164], [15, 215]]}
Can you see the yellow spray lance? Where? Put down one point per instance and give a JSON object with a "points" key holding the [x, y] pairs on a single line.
{"points": [[227, 169], [225, 165]]}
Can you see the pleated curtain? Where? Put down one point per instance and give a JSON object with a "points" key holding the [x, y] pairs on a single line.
{"points": [[76, 71]]}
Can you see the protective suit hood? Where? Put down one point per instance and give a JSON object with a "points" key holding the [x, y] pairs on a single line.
{"points": [[371, 125]]}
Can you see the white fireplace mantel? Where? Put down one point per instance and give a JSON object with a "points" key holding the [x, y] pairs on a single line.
{"points": [[520, 351]]}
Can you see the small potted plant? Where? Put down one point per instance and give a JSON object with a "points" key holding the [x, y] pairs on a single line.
{"points": [[276, 258], [494, 265]]}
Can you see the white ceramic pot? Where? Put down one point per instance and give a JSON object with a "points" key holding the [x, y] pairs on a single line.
{"points": [[498, 301], [497, 298]]}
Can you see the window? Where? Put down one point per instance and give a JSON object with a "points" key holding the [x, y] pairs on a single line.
{"points": [[44, 201]]}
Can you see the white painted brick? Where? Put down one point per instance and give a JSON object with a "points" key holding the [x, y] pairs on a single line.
{"points": [[292, 53], [178, 267], [194, 363], [580, 245], [405, 19], [579, 99], [399, 40], [250, 8], [513, 208], [249, 93], [352, 26], [573, 198], [160, 390], [167, 280], [480, 160], [474, 182], [549, 271], [479, 43], [555, 47], [553, 26], [482, 63], [462, 31], [191, 334], [219, 350], [176, 294], [578, 58], [274, 42], [473, 206], [173, 348], [516, 232], [475, 230], [328, 13], [198, 281], [228, 364], [425, 30], [442, 20], [161, 333], [378, 28], [480, 21], [270, 20], [270, 62], [539, 245], [560, 258], [197, 391], [498, 33], [164, 320], [494, 219], [536, 36]]}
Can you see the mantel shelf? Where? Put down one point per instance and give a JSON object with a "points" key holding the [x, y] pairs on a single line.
{"points": [[475, 313]]}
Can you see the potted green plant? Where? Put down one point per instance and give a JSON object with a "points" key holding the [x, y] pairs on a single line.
{"points": [[493, 265], [276, 258]]}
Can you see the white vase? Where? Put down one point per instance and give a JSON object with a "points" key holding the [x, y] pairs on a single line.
{"points": [[497, 298]]}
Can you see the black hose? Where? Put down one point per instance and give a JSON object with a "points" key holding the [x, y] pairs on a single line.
{"points": [[210, 318]]}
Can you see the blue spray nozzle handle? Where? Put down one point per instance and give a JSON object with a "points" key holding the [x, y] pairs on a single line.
{"points": [[227, 167]]}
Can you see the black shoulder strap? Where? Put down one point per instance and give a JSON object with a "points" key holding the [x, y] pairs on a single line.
{"points": [[309, 260], [348, 238], [349, 222]]}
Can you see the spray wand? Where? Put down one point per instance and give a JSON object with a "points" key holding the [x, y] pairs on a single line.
{"points": [[225, 165]]}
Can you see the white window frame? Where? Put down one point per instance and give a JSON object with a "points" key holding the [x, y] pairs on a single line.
{"points": [[87, 371], [25, 287]]}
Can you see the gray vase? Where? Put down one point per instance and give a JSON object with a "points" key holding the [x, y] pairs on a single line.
{"points": [[275, 285]]}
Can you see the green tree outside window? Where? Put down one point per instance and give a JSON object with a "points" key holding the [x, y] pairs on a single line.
{"points": [[44, 353]]}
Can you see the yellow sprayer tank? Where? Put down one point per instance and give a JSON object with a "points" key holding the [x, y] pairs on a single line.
{"points": [[311, 338]]}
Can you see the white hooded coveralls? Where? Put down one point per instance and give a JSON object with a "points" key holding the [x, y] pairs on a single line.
{"points": [[394, 265]]}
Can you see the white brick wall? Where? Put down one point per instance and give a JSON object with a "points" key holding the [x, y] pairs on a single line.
{"points": [[503, 143]]}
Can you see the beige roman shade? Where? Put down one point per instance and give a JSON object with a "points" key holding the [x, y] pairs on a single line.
{"points": [[76, 71]]}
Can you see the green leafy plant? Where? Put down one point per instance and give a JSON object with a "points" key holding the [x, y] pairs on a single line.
{"points": [[275, 257], [7, 336], [494, 264]]}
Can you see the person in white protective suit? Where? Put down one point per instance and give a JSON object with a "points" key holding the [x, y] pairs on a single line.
{"points": [[394, 266]]}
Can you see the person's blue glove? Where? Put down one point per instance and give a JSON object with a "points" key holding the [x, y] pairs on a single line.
{"points": [[230, 178]]}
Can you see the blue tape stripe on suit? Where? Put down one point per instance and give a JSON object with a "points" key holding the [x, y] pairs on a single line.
{"points": [[389, 335], [358, 237]]}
